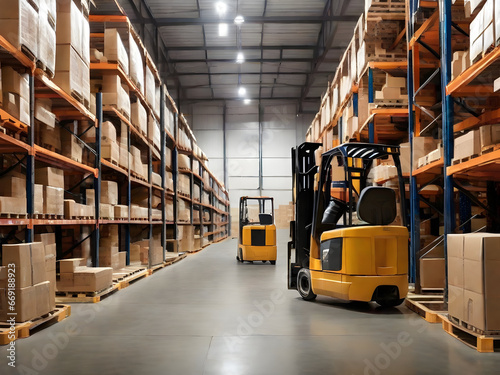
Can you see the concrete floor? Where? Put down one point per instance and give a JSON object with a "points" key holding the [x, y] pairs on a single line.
{"points": [[211, 315]]}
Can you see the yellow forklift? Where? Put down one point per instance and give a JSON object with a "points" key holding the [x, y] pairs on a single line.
{"points": [[343, 241], [257, 232]]}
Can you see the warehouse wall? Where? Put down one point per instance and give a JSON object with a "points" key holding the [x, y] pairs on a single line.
{"points": [[281, 130]]}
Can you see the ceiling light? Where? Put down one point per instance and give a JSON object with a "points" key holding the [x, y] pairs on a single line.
{"points": [[221, 8], [247, 101], [239, 20], [223, 29], [240, 58], [242, 91]]}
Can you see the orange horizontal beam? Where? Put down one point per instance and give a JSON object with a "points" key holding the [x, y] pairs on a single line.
{"points": [[431, 21], [466, 124], [97, 35], [18, 55], [390, 111], [476, 162], [429, 168], [64, 160], [472, 72], [107, 18]]}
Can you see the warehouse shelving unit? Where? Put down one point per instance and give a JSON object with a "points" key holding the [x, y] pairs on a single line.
{"points": [[443, 30], [18, 139]]}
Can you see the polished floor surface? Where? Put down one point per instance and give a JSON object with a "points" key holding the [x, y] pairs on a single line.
{"points": [[211, 315]]}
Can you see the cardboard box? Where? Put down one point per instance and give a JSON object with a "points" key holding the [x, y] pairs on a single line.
{"points": [[139, 117], [121, 212], [489, 135], [43, 298], [135, 251], [456, 302], [50, 176], [421, 147], [38, 201], [432, 272], [110, 151], [53, 200], [38, 274], [15, 83], [17, 107], [108, 132], [70, 265], [25, 304], [71, 147], [13, 186], [114, 49], [467, 145], [46, 239], [106, 211], [93, 279], [109, 192], [122, 259], [114, 94], [72, 73], [136, 64], [20, 255], [481, 279], [17, 21]]}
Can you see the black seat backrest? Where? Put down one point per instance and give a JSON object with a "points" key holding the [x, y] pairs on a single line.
{"points": [[377, 205], [265, 219]]}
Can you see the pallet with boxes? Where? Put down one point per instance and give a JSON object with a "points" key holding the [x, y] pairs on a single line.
{"points": [[375, 40]]}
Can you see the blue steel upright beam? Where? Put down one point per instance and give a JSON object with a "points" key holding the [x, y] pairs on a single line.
{"points": [[447, 109], [414, 199], [371, 124]]}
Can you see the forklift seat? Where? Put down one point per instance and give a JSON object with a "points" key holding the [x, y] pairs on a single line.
{"points": [[377, 205], [265, 219]]}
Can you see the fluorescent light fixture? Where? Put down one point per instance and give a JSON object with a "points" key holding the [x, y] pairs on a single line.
{"points": [[239, 20], [240, 58], [247, 101], [221, 8], [223, 29], [242, 91]]}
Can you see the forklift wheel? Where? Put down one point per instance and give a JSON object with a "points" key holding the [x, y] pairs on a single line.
{"points": [[390, 302], [273, 262], [304, 285]]}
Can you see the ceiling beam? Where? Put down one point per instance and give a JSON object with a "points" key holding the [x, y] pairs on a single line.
{"points": [[185, 61], [161, 22], [242, 73], [248, 48]]}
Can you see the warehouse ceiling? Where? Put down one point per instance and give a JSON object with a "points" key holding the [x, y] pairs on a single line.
{"points": [[288, 49]]}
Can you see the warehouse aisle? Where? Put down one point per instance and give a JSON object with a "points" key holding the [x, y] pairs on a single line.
{"points": [[211, 315]]}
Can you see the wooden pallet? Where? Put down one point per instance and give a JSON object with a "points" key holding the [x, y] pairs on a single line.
{"points": [[42, 66], [167, 262], [128, 275], [6, 215], [463, 160], [428, 307], [112, 161], [490, 148], [23, 330], [85, 297], [51, 148], [482, 343], [48, 217]]}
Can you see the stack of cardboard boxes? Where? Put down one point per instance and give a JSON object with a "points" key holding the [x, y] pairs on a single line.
{"points": [[109, 202], [114, 49], [109, 147], [34, 272], [116, 94], [109, 254], [473, 279], [72, 72], [13, 194], [394, 89], [15, 93], [52, 181], [75, 277], [484, 31]]}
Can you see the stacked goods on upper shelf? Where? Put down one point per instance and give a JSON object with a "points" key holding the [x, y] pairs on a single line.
{"points": [[73, 50], [109, 199], [47, 134], [109, 254], [136, 165], [15, 93], [484, 31], [34, 272], [109, 147], [373, 41], [139, 117], [115, 93], [13, 194], [76, 277], [152, 86], [52, 180], [154, 133], [17, 24]]}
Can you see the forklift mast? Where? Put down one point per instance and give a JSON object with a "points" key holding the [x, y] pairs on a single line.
{"points": [[304, 168]]}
